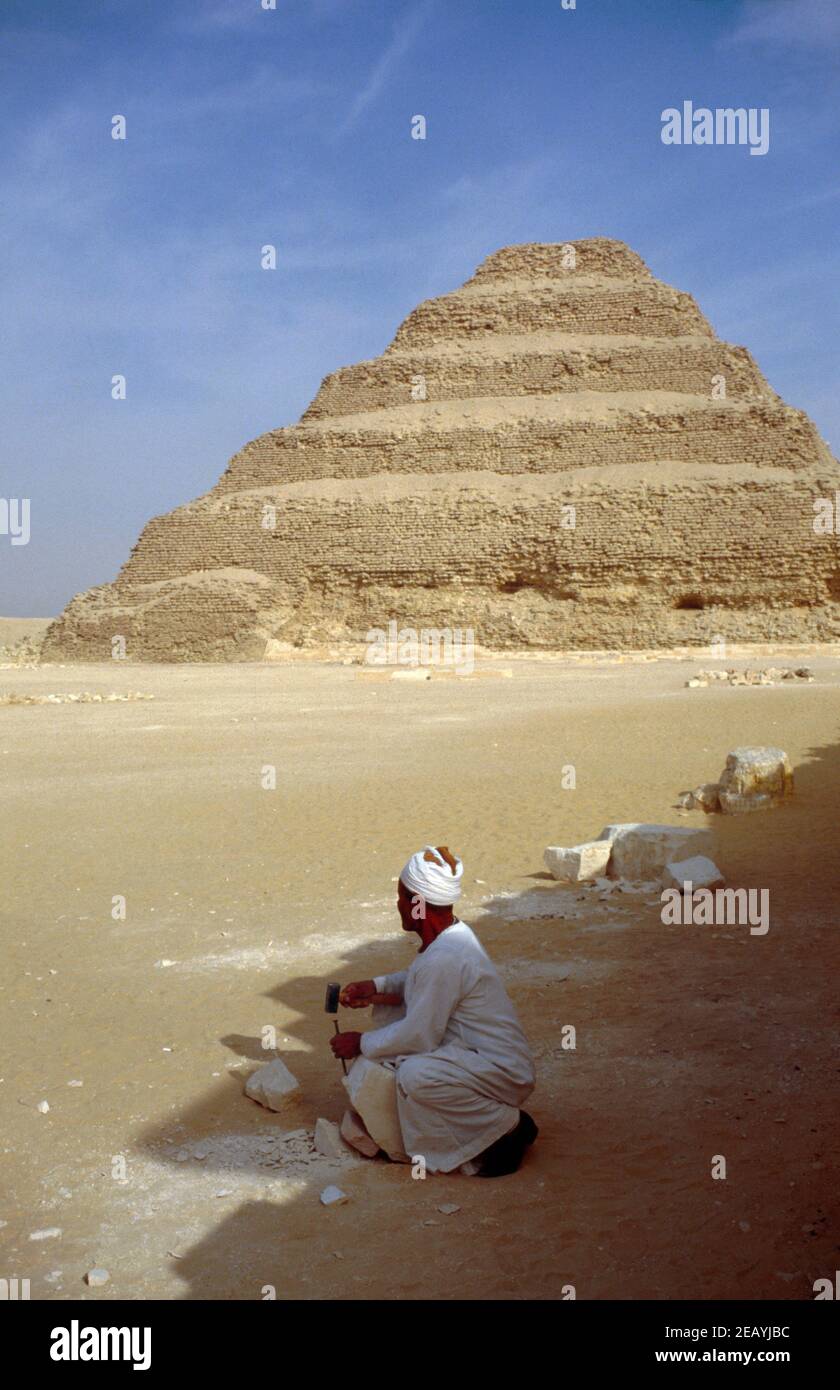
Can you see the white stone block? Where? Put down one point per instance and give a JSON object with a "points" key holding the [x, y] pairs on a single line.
{"points": [[333, 1197], [640, 852], [580, 862], [698, 871], [354, 1133], [372, 1089], [272, 1085], [328, 1140]]}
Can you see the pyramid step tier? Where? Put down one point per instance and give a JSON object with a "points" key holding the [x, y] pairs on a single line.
{"points": [[645, 308], [552, 260], [342, 557], [514, 366], [557, 434]]}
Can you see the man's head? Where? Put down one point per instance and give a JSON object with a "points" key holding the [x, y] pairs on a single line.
{"points": [[429, 885]]}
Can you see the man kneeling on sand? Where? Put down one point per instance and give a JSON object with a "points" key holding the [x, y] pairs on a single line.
{"points": [[463, 1065]]}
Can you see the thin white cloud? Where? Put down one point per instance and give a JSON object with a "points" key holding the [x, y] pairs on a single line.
{"points": [[405, 34], [801, 23]]}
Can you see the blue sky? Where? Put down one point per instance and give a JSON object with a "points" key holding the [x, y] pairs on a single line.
{"points": [[292, 126]]}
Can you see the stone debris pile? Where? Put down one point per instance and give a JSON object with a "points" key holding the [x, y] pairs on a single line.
{"points": [[81, 697], [293, 1153], [768, 675]]}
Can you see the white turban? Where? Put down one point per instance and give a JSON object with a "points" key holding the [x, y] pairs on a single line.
{"points": [[428, 874]]}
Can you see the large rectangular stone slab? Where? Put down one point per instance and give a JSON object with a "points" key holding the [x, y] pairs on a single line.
{"points": [[640, 852], [578, 863]]}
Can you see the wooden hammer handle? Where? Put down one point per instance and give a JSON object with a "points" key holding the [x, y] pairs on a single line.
{"points": [[343, 1063]]}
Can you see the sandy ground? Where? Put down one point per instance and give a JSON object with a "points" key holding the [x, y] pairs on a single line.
{"points": [[242, 902]]}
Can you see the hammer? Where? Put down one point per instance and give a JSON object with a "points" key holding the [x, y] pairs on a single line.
{"points": [[331, 1006]]}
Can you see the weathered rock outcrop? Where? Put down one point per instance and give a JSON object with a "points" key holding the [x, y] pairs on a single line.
{"points": [[755, 779], [437, 485]]}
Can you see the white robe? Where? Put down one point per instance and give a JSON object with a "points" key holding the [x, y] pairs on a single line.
{"points": [[463, 1063]]}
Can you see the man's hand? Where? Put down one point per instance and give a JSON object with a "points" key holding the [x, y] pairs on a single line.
{"points": [[357, 996], [346, 1045]]}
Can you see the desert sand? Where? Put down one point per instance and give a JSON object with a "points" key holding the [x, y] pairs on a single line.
{"points": [[241, 903]]}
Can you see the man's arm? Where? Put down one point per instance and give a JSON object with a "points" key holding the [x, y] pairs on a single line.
{"points": [[385, 989], [435, 992], [391, 984]]}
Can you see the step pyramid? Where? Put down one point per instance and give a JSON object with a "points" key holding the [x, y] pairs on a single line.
{"points": [[559, 454]]}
